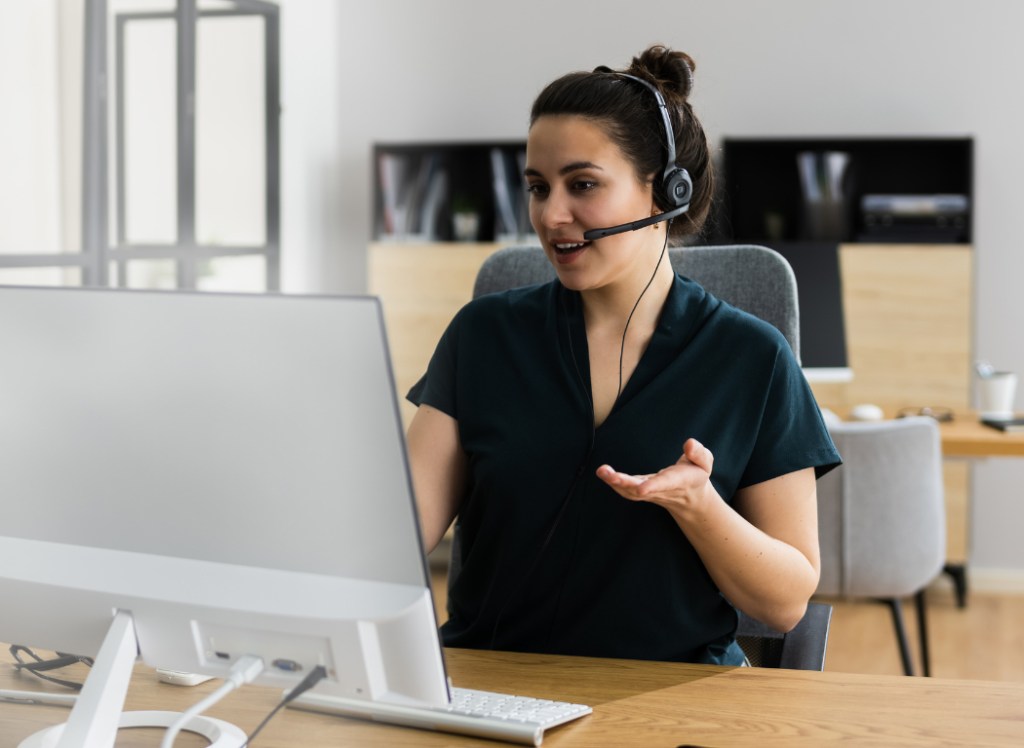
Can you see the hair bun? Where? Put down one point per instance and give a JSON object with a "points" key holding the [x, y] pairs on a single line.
{"points": [[672, 69]]}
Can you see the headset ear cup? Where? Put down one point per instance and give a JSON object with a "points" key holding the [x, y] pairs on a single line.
{"points": [[677, 188]]}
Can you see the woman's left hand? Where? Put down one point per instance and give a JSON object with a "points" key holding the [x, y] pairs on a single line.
{"points": [[685, 486]]}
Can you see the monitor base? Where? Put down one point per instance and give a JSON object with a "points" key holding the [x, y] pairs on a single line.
{"points": [[221, 734], [97, 714]]}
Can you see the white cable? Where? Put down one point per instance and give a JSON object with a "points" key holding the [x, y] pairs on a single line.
{"points": [[38, 697], [246, 669]]}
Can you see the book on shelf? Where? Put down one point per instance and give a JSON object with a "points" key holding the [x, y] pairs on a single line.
{"points": [[437, 187], [1008, 425], [391, 170], [412, 193], [512, 218], [504, 198]]}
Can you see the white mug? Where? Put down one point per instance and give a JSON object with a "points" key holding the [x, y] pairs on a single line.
{"points": [[996, 393]]}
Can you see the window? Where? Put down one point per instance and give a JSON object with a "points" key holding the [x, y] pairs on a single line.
{"points": [[166, 168]]}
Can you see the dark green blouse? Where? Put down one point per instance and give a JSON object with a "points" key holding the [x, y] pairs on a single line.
{"points": [[552, 560]]}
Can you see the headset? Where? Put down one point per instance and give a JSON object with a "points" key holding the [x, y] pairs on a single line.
{"points": [[673, 188]]}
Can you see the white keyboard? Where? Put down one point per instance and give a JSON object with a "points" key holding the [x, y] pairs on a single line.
{"points": [[517, 719]]}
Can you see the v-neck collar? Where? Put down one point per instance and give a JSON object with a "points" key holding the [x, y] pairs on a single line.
{"points": [[685, 309]]}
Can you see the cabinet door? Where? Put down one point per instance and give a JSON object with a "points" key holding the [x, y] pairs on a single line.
{"points": [[908, 327], [421, 287]]}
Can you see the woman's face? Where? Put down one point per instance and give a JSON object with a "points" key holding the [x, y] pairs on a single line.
{"points": [[578, 179]]}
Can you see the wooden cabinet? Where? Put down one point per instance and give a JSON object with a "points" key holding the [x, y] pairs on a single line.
{"points": [[908, 326], [421, 287]]}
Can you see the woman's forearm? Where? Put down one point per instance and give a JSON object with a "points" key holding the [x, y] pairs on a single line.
{"points": [[766, 578]]}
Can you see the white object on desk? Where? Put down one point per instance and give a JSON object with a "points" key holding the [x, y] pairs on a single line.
{"points": [[866, 412], [181, 678], [499, 716], [996, 394], [41, 698]]}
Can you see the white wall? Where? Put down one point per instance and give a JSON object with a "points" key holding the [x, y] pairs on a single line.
{"points": [[313, 153], [464, 69]]}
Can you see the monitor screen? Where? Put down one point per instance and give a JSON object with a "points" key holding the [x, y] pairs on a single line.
{"points": [[228, 468], [822, 322]]}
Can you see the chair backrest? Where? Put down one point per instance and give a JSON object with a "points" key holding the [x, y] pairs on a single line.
{"points": [[756, 279], [881, 514], [803, 648]]}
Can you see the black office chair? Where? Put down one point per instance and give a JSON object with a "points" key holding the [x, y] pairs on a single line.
{"points": [[803, 648]]}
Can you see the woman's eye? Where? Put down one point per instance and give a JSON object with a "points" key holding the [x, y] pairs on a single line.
{"points": [[583, 185], [537, 190]]}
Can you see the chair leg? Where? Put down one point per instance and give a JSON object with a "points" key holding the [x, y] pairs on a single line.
{"points": [[958, 573], [901, 633], [922, 629]]}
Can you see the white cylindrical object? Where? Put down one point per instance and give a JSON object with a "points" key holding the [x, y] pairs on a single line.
{"points": [[996, 394]]}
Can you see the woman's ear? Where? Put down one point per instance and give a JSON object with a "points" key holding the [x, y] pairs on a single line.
{"points": [[652, 181]]}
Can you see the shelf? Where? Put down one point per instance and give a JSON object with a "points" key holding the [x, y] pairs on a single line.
{"points": [[420, 187], [766, 198]]}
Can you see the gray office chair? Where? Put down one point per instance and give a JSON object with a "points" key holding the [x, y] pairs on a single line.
{"points": [[881, 518], [803, 648], [755, 279]]}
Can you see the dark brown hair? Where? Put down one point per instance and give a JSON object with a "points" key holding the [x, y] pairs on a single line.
{"points": [[629, 115]]}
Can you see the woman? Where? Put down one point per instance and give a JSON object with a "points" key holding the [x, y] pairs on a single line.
{"points": [[628, 456]]}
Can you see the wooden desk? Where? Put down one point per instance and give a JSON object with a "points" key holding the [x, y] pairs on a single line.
{"points": [[966, 437], [646, 704]]}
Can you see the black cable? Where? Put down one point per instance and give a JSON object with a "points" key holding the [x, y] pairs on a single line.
{"points": [[622, 349], [38, 666], [316, 675]]}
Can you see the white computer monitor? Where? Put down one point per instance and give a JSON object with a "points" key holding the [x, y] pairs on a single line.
{"points": [[230, 470]]}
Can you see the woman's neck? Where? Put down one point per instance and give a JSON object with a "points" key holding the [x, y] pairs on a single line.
{"points": [[617, 336], [612, 305]]}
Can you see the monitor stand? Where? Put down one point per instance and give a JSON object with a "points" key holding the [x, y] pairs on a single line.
{"points": [[97, 714]]}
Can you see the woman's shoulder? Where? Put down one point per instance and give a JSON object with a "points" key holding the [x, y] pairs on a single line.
{"points": [[727, 322]]}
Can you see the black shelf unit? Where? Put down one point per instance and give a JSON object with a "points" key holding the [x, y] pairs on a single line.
{"points": [[763, 199], [417, 188]]}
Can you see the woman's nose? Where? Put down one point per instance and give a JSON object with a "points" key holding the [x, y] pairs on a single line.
{"points": [[555, 210]]}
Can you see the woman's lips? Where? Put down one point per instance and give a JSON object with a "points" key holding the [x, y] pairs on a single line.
{"points": [[568, 252]]}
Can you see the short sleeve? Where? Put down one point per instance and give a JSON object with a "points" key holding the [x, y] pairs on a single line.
{"points": [[792, 434]]}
